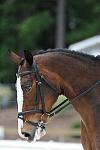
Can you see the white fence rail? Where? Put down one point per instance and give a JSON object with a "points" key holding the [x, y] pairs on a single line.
{"points": [[21, 145]]}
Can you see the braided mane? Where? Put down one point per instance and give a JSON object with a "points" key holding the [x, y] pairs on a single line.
{"points": [[68, 52]]}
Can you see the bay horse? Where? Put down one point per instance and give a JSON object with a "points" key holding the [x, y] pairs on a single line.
{"points": [[42, 77]]}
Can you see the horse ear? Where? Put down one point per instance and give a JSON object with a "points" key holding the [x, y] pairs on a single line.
{"points": [[14, 57], [28, 57]]}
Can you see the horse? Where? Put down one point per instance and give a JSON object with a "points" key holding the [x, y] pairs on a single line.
{"points": [[42, 77]]}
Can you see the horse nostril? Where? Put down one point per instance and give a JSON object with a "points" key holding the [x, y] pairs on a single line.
{"points": [[26, 134]]}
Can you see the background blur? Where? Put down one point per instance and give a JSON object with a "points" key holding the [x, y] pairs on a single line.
{"points": [[35, 25]]}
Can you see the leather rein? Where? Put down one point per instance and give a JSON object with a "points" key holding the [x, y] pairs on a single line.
{"points": [[39, 82]]}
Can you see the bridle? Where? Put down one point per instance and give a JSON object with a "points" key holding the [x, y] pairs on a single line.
{"points": [[39, 96]]}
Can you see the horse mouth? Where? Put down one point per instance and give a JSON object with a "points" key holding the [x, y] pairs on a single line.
{"points": [[35, 135]]}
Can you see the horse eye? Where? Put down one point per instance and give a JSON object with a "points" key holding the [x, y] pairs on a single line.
{"points": [[26, 88]]}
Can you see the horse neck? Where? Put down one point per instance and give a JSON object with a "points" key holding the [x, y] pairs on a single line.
{"points": [[71, 74]]}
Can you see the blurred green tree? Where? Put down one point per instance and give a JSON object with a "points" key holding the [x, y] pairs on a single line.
{"points": [[83, 20], [22, 26], [31, 25]]}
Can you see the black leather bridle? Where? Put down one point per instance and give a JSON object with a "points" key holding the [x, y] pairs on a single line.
{"points": [[39, 96]]}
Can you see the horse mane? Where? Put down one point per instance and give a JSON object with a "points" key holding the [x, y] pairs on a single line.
{"points": [[68, 52]]}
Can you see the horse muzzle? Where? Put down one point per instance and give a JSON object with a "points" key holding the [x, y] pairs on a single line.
{"points": [[34, 133]]}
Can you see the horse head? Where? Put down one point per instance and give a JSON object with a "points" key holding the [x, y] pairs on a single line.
{"points": [[35, 96]]}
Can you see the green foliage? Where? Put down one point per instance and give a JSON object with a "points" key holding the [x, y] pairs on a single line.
{"points": [[33, 27], [30, 24], [22, 26], [7, 68], [83, 32], [76, 125], [84, 20]]}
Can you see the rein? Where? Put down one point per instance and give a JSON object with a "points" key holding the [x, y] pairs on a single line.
{"points": [[39, 81], [56, 109]]}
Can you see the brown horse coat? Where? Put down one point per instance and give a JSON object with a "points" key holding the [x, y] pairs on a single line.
{"points": [[72, 73]]}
